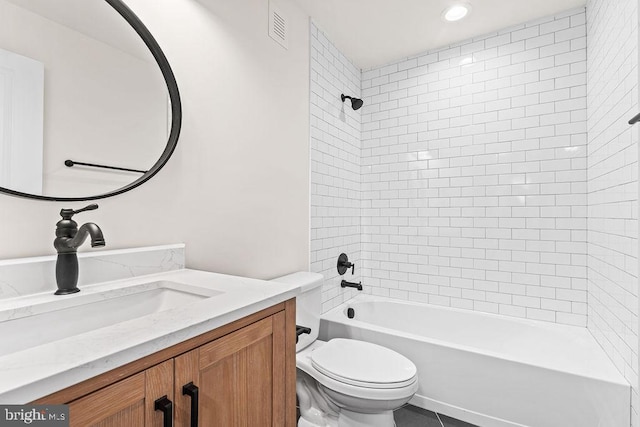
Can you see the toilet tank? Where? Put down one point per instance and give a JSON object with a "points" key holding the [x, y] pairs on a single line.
{"points": [[308, 303]]}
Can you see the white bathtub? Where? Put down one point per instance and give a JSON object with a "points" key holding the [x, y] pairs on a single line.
{"points": [[490, 370]]}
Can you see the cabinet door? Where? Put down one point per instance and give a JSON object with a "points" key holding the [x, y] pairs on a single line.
{"points": [[129, 402], [240, 377]]}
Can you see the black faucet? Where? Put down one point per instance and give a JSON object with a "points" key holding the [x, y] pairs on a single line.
{"points": [[68, 239]]}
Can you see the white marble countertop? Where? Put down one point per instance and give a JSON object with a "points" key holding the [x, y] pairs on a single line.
{"points": [[38, 371]]}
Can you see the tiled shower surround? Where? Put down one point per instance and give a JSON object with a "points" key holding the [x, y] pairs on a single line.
{"points": [[612, 174], [474, 174], [335, 166], [463, 180]]}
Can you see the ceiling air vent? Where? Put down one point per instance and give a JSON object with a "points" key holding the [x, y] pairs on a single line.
{"points": [[278, 25]]}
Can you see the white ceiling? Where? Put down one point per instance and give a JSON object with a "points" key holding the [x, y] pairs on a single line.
{"points": [[95, 19], [377, 32]]}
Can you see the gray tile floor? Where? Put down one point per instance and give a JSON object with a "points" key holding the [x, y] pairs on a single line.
{"points": [[412, 416]]}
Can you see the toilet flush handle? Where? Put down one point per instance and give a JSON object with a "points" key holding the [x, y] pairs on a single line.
{"points": [[301, 330]]}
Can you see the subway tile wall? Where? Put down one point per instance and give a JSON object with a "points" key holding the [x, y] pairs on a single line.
{"points": [[335, 166], [612, 173], [474, 174]]}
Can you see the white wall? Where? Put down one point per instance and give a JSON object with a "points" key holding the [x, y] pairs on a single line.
{"points": [[237, 189], [335, 167], [473, 162], [612, 99]]}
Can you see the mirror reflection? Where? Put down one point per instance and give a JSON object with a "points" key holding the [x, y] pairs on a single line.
{"points": [[76, 83]]}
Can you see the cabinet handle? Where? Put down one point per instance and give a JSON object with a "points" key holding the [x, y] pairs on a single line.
{"points": [[166, 406], [191, 390]]}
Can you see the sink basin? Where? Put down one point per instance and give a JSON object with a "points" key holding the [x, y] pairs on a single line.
{"points": [[65, 316]]}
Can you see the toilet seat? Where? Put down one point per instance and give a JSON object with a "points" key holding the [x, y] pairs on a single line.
{"points": [[363, 364], [392, 391]]}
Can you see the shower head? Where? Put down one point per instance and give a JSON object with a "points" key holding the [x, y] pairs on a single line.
{"points": [[356, 103]]}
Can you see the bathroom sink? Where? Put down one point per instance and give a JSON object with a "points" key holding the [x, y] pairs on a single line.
{"points": [[62, 317]]}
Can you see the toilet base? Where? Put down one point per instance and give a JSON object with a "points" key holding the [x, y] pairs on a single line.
{"points": [[317, 410], [305, 423], [355, 419]]}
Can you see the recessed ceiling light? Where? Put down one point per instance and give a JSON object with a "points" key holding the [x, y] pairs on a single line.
{"points": [[456, 12]]}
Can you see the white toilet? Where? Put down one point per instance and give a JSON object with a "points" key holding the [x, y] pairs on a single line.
{"points": [[344, 382]]}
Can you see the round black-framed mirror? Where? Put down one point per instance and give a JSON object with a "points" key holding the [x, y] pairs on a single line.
{"points": [[175, 117]]}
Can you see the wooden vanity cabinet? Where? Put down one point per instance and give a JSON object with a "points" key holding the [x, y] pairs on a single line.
{"points": [[245, 376], [129, 402], [240, 378]]}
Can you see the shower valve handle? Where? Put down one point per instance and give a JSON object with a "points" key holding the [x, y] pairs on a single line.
{"points": [[344, 264], [351, 266]]}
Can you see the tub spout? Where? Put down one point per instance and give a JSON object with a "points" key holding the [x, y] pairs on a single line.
{"points": [[345, 284]]}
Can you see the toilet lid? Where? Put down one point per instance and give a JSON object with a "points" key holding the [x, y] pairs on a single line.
{"points": [[363, 364]]}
